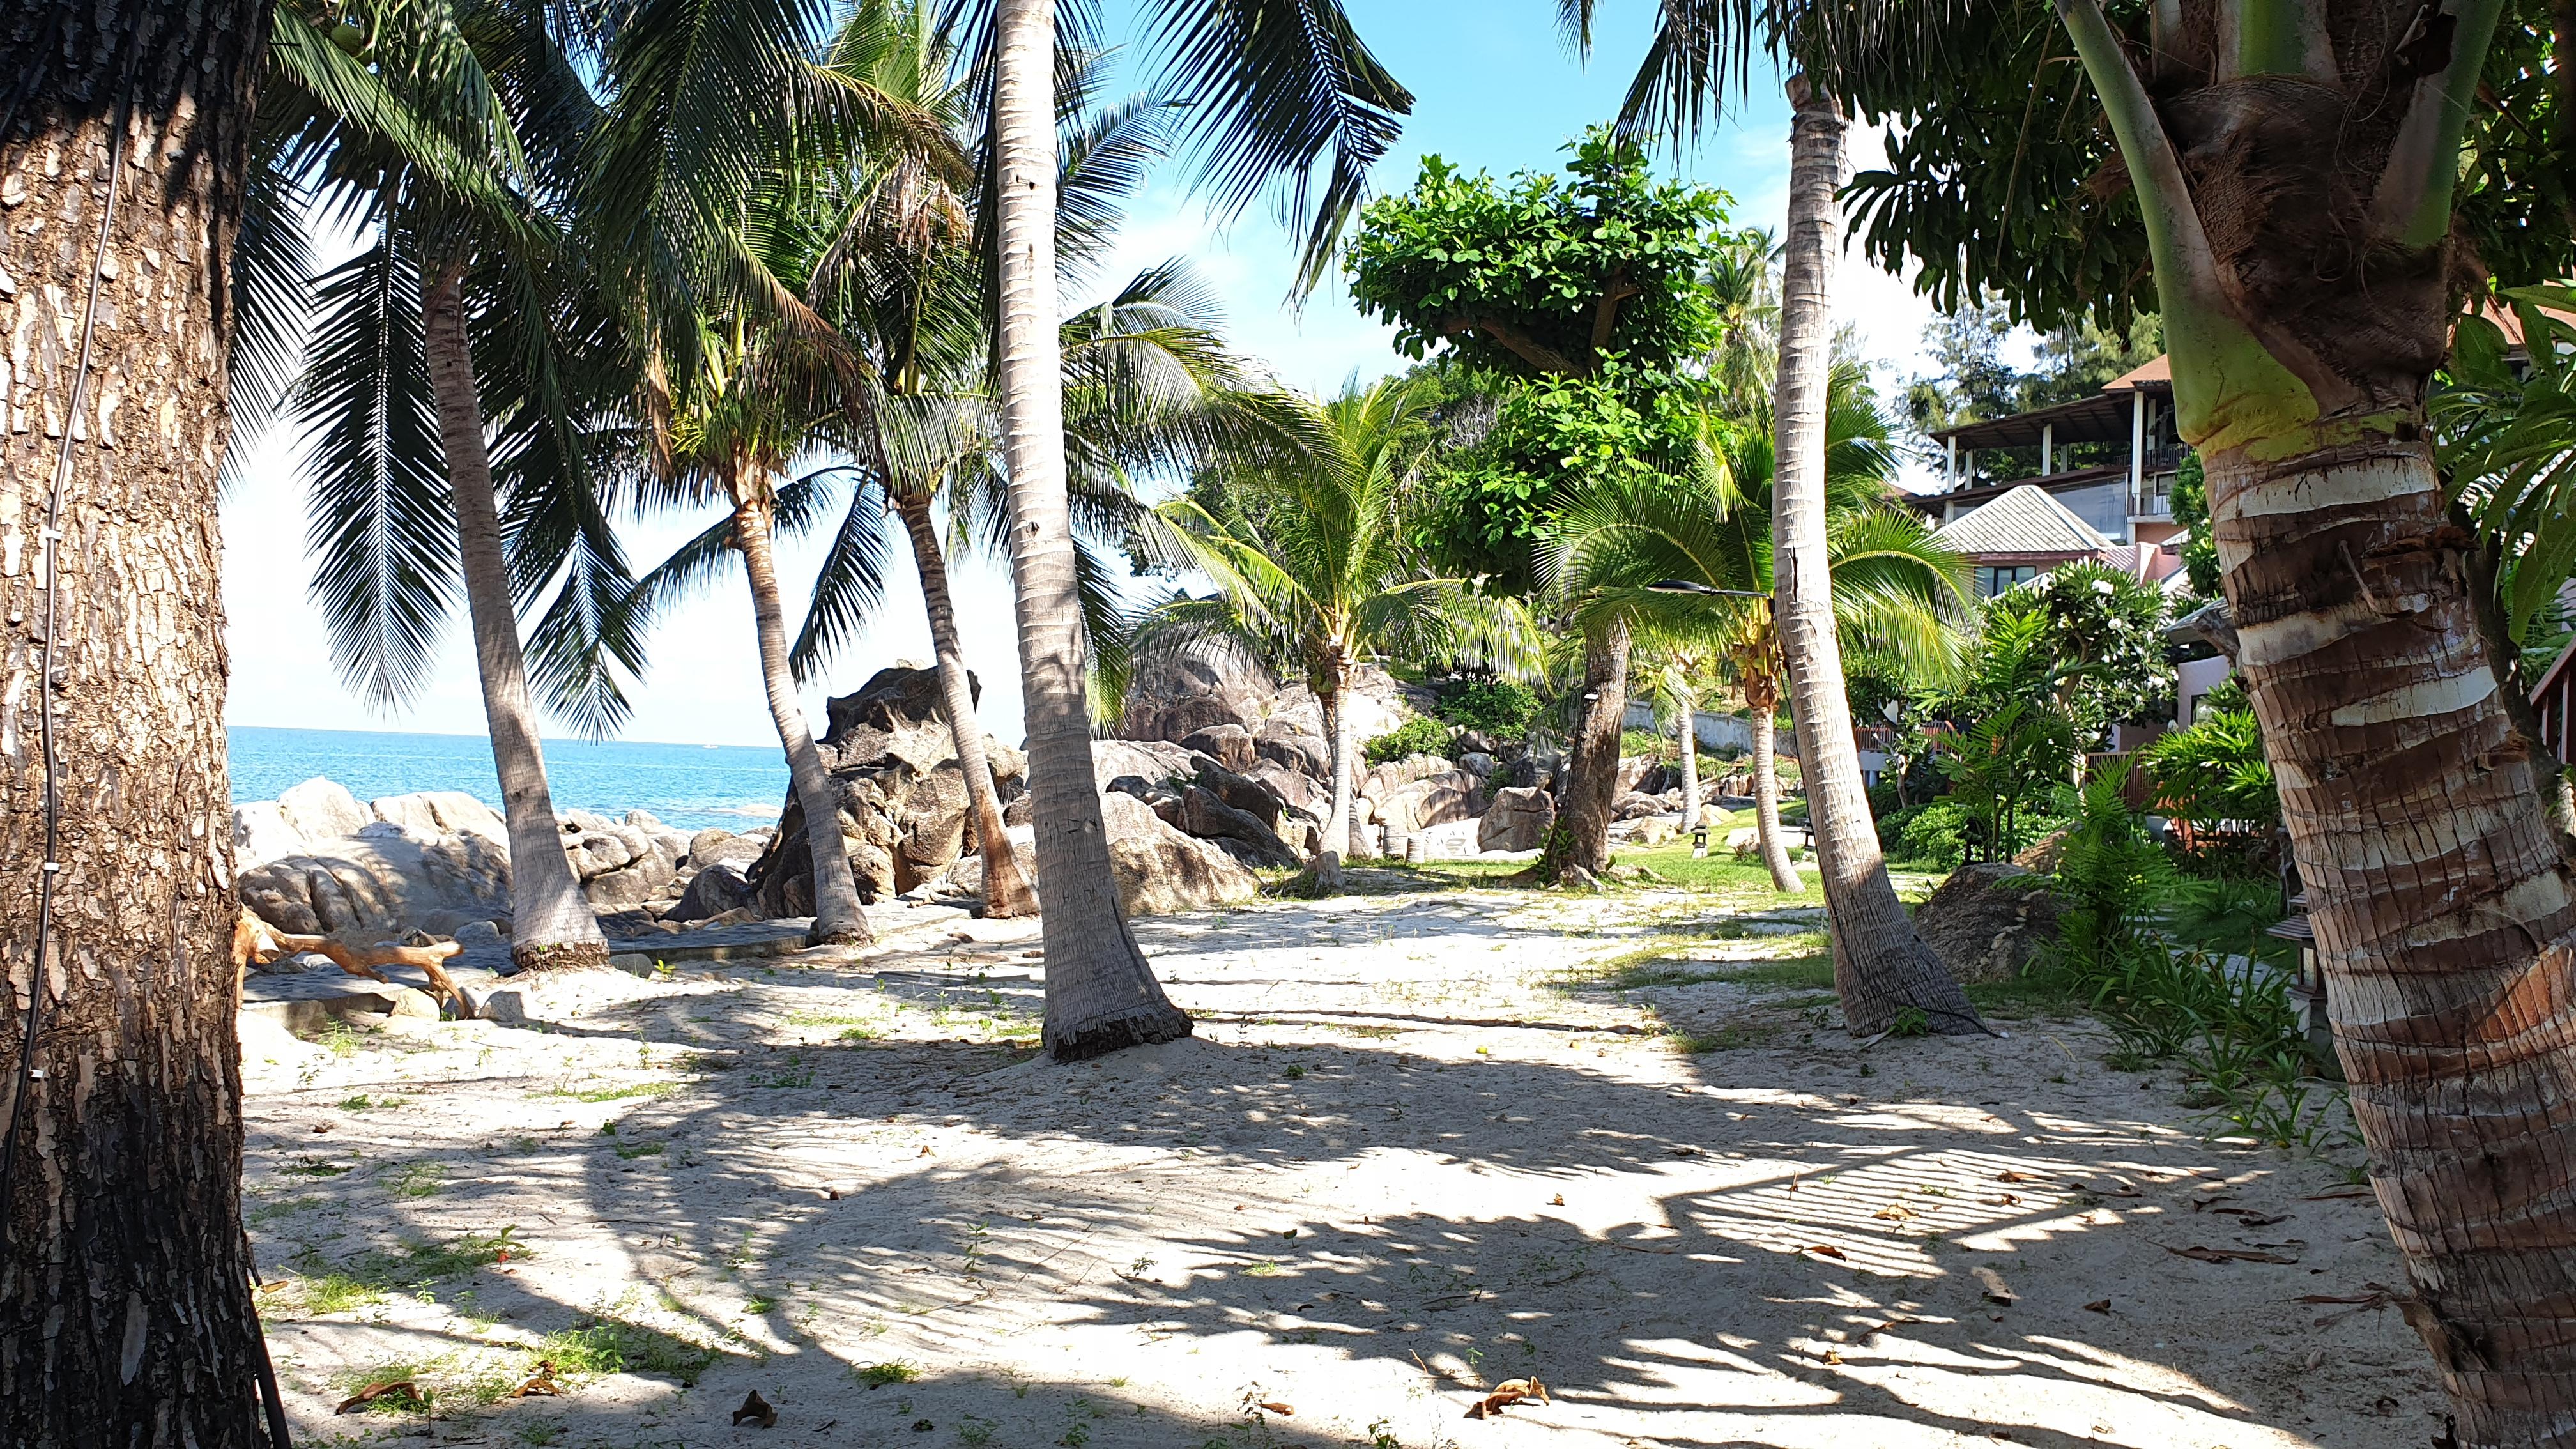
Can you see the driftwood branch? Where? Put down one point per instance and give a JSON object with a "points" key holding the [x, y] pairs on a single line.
{"points": [[254, 941]]}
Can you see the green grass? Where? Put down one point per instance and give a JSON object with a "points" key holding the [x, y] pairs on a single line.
{"points": [[364, 1103], [617, 1094], [613, 1346], [415, 1400], [407, 1267], [862, 1033], [878, 1375], [1734, 1036], [315, 1167], [639, 1149], [269, 1212], [417, 1180]]}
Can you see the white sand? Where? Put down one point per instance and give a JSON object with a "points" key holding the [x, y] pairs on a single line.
{"points": [[1398, 1163]]}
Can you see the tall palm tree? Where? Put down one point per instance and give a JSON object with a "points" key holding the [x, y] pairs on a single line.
{"points": [[1272, 86], [1323, 573], [1700, 52], [454, 141], [1893, 588]]}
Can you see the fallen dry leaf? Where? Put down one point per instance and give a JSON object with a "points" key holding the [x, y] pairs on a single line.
{"points": [[2098, 1305], [373, 1392], [1833, 1355], [1993, 1282], [2252, 1219], [757, 1410], [1557, 1201], [1895, 1212], [1273, 1406], [540, 1384], [2019, 1177], [2227, 1255], [1506, 1394], [1827, 1249]]}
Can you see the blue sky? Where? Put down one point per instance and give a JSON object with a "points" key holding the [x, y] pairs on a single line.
{"points": [[1495, 88]]}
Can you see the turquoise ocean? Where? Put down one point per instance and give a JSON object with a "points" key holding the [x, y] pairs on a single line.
{"points": [[690, 787]]}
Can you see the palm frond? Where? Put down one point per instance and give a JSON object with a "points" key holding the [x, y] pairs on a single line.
{"points": [[383, 521]]}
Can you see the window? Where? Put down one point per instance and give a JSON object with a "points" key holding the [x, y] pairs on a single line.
{"points": [[1993, 579]]}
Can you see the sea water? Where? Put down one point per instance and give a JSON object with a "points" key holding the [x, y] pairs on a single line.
{"points": [[688, 787]]}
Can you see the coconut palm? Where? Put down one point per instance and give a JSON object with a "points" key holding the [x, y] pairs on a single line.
{"points": [[1323, 572], [1271, 86], [1894, 589], [443, 383], [1675, 675]]}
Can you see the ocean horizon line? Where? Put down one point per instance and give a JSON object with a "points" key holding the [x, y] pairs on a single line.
{"points": [[546, 740]]}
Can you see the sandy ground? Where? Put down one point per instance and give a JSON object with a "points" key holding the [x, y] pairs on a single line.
{"points": [[1416, 1148]]}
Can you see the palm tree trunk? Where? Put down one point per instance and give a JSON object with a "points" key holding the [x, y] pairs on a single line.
{"points": [[1337, 754], [1592, 771], [1882, 969], [1688, 741], [837, 917], [124, 1275], [1101, 995], [551, 924], [1764, 697], [1006, 889]]}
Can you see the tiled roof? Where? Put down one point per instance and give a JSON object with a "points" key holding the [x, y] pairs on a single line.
{"points": [[2024, 521]]}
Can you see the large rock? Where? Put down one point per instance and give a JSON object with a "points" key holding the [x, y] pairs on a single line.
{"points": [[1254, 796], [380, 882], [443, 812], [721, 886], [1306, 754], [711, 845], [1634, 805], [321, 809], [898, 795], [1519, 819], [1411, 808], [261, 834], [1395, 774], [1989, 920], [1306, 794], [1153, 761], [1174, 693], [1161, 871], [1229, 744], [1243, 835]]}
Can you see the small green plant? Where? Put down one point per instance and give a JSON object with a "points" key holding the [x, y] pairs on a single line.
{"points": [[539, 1434], [416, 1180], [408, 1397], [618, 1093], [1911, 1021], [896, 1371], [1420, 735], [1293, 1073], [631, 1151], [1264, 1269], [612, 1346], [316, 1167], [1382, 1436], [972, 1431], [1501, 708], [364, 1103]]}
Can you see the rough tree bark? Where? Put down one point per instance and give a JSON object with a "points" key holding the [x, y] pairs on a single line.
{"points": [[125, 1306], [1581, 841], [1100, 994], [1006, 887], [2444, 903], [1882, 969], [1327, 868], [551, 924], [1762, 694], [837, 917]]}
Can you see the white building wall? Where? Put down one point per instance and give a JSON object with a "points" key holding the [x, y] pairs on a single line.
{"points": [[2104, 505]]}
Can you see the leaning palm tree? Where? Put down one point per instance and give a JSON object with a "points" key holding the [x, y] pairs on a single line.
{"points": [[1328, 577], [1700, 51], [1693, 559], [757, 400], [1271, 85], [444, 377]]}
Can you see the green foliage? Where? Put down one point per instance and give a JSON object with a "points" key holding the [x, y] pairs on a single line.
{"points": [[2214, 772], [1501, 708], [2114, 624], [1417, 736], [2190, 504], [2506, 439], [1512, 275], [2108, 872], [2018, 744], [1645, 744], [1934, 834]]}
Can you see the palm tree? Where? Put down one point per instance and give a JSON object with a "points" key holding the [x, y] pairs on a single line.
{"points": [[1271, 85], [1893, 588], [1323, 573], [467, 288], [1676, 678]]}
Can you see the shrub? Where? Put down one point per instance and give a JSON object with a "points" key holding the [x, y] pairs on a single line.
{"points": [[1936, 834], [1497, 707], [1644, 743], [1420, 735]]}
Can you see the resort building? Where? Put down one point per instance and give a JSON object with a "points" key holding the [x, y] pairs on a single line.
{"points": [[2103, 489]]}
